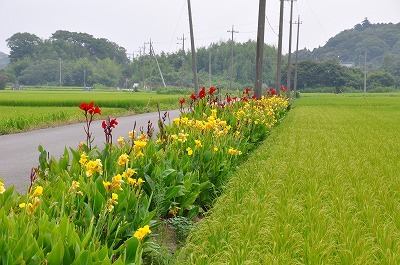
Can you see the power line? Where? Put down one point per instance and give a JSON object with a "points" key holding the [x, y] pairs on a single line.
{"points": [[271, 26], [326, 35]]}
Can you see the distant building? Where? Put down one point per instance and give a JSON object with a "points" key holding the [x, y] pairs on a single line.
{"points": [[347, 64]]}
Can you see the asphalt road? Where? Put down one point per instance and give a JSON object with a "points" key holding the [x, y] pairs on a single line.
{"points": [[19, 152]]}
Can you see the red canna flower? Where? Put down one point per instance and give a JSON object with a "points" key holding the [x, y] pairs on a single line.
{"points": [[246, 91], [193, 96], [113, 123], [284, 88], [202, 92], [212, 90], [254, 97], [104, 125], [97, 110], [271, 92], [182, 101]]}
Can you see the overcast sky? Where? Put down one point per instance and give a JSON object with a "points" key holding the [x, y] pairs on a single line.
{"points": [[131, 23]]}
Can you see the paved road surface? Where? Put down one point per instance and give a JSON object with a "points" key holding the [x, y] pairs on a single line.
{"points": [[19, 152]]}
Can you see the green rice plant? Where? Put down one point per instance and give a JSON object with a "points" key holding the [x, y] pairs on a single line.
{"points": [[106, 99], [24, 118], [322, 190]]}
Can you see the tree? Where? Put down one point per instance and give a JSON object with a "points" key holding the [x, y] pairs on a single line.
{"points": [[380, 79], [3, 80], [22, 45]]}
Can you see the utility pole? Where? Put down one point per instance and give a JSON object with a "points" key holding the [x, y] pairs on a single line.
{"points": [[183, 56], [297, 51], [158, 65], [279, 62], [60, 74], [150, 62], [233, 44], [141, 65], [260, 48], [194, 62], [209, 68], [144, 63], [290, 51], [365, 71]]}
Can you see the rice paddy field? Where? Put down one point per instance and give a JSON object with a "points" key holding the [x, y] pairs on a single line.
{"points": [[31, 109], [324, 188]]}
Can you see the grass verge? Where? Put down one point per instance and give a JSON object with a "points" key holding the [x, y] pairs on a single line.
{"points": [[323, 189]]}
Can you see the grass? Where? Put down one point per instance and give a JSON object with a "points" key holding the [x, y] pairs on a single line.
{"points": [[323, 189], [32, 109]]}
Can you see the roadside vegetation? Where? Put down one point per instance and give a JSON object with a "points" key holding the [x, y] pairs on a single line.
{"points": [[323, 189], [119, 204], [40, 107]]}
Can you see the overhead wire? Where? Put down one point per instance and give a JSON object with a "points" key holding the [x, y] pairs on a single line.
{"points": [[177, 24]]}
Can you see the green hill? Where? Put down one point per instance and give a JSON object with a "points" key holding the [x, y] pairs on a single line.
{"points": [[380, 42]]}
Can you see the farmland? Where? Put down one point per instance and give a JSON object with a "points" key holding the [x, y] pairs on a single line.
{"points": [[32, 109], [323, 189]]}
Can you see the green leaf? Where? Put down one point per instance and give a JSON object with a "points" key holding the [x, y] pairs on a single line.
{"points": [[168, 177], [82, 259], [56, 255], [132, 245], [174, 191]]}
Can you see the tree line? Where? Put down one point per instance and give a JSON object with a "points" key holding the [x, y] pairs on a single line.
{"points": [[78, 59]]}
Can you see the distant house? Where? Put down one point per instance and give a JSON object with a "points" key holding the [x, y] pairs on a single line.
{"points": [[347, 64]]}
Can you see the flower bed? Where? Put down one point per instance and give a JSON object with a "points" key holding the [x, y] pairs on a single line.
{"points": [[100, 206]]}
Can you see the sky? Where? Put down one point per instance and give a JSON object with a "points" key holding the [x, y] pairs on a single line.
{"points": [[133, 23]]}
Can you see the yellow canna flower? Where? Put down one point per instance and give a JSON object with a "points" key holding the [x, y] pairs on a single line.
{"points": [[123, 159], [83, 159], [189, 151], [120, 141], [132, 134], [176, 121], [198, 143], [107, 186], [130, 172], [131, 181], [37, 192], [142, 232], [140, 181], [2, 189]]}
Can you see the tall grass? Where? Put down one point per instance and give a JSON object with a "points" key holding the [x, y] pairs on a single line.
{"points": [[323, 189]]}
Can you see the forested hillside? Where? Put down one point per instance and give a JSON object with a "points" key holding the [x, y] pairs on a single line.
{"points": [[380, 42]]}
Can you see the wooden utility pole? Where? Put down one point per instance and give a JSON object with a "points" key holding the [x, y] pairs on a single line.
{"points": [[209, 68], [260, 48], [183, 56], [194, 61], [365, 71], [150, 63], [297, 51], [60, 74], [290, 52], [279, 62], [233, 44]]}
